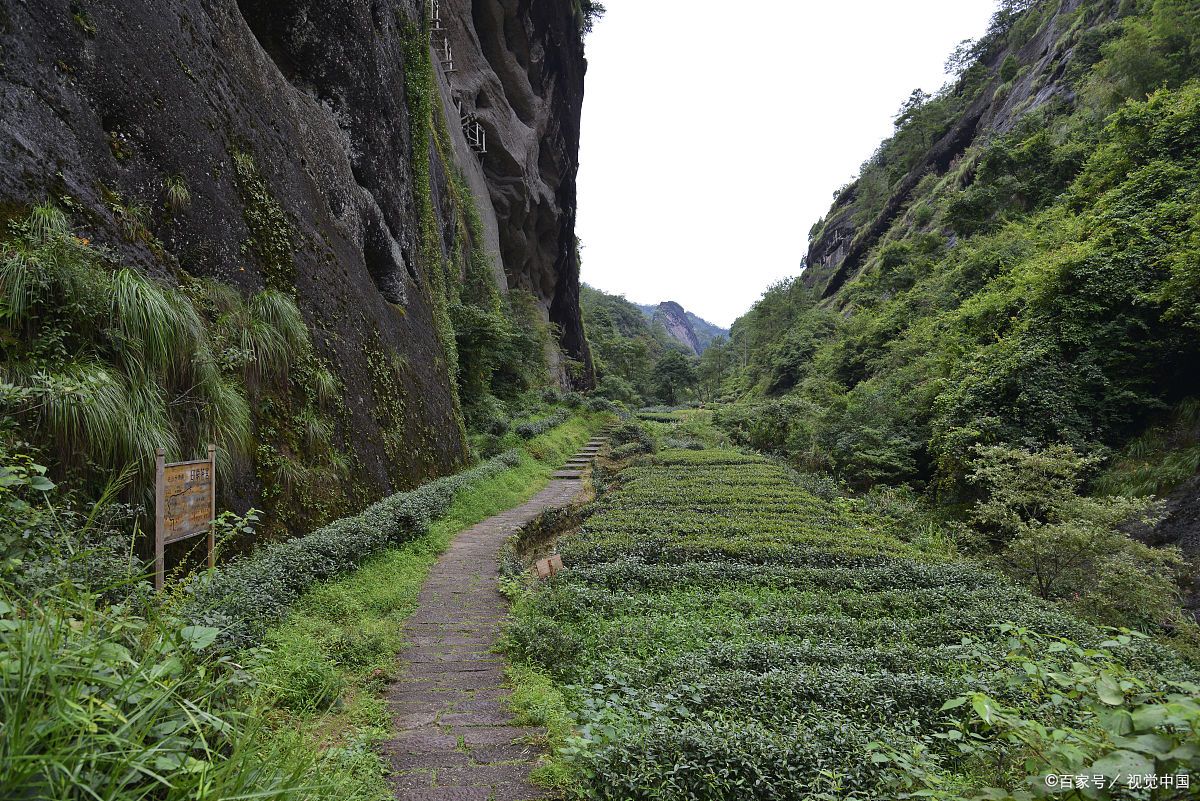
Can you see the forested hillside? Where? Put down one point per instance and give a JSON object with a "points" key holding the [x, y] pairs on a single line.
{"points": [[685, 327], [1017, 265]]}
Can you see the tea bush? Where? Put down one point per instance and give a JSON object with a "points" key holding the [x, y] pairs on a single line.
{"points": [[244, 597], [532, 428], [728, 628]]}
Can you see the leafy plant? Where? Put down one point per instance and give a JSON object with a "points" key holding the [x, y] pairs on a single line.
{"points": [[1079, 712], [1067, 545], [178, 196], [103, 702]]}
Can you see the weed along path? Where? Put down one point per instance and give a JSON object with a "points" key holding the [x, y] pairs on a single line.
{"points": [[454, 739]]}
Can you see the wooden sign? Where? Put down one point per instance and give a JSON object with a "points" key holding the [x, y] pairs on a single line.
{"points": [[185, 505], [548, 567]]}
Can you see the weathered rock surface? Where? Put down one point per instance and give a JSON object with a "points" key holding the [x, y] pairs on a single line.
{"points": [[518, 70], [689, 330], [673, 318], [105, 99], [838, 251]]}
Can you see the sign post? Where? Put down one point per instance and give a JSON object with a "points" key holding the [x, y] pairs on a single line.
{"points": [[185, 506]]}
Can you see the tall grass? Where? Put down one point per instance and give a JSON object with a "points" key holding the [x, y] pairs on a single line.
{"points": [[1162, 458], [108, 704], [113, 364], [178, 196]]}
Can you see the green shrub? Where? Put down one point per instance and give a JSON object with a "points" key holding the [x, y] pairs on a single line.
{"points": [[1068, 711], [628, 450], [632, 433], [532, 428], [245, 596], [46, 543], [601, 404], [1065, 545]]}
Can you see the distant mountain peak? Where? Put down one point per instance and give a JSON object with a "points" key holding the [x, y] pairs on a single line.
{"points": [[674, 318], [689, 330]]}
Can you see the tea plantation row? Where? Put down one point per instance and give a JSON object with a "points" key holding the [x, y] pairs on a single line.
{"points": [[722, 632]]}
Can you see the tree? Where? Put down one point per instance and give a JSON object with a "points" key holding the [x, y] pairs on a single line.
{"points": [[674, 377], [714, 366], [1067, 546], [915, 102]]}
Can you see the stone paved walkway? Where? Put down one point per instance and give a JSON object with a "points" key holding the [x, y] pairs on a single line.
{"points": [[454, 736]]}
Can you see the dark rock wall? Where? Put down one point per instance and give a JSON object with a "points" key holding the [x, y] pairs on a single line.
{"points": [[104, 96], [519, 69]]}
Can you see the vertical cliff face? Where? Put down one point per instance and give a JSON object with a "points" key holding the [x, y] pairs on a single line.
{"points": [[291, 125], [516, 68], [673, 318]]}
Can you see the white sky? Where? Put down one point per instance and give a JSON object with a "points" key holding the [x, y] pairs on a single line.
{"points": [[715, 133]]}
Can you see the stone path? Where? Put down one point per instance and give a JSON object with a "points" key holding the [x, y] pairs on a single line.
{"points": [[454, 736]]}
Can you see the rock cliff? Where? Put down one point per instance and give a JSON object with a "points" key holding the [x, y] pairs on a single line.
{"points": [[690, 331], [990, 103], [673, 318], [294, 127], [520, 76]]}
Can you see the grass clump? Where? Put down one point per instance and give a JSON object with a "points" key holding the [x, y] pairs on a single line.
{"points": [[110, 703], [103, 364]]}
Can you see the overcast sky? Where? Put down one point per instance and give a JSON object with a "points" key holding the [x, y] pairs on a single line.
{"points": [[715, 133]]}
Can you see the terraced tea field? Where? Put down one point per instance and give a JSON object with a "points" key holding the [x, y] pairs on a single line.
{"points": [[727, 629]]}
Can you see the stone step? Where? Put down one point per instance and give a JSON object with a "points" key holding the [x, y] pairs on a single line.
{"points": [[567, 475]]}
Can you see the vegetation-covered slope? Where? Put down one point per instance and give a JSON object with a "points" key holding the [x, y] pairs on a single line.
{"points": [[685, 327], [636, 360], [1036, 286]]}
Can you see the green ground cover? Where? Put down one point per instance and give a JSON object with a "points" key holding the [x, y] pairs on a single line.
{"points": [[329, 661], [142, 700], [728, 628]]}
